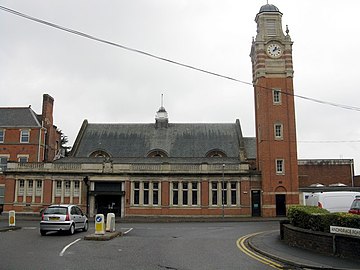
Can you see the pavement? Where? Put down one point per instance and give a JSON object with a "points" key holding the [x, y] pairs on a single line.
{"points": [[266, 243], [269, 244]]}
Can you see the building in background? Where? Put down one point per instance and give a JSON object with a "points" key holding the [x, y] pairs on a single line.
{"points": [[27, 137]]}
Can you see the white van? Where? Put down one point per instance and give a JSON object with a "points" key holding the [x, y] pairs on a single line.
{"points": [[333, 201]]}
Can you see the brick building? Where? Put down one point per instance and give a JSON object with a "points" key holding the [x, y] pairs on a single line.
{"points": [[187, 169], [27, 137]]}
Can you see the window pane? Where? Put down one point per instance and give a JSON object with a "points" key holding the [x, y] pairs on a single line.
{"points": [[25, 136], [155, 197], [175, 193], [3, 163], [23, 159], [1, 135], [214, 193], [194, 197], [146, 196], [136, 193], [185, 197], [136, 196], [233, 197], [175, 197]]}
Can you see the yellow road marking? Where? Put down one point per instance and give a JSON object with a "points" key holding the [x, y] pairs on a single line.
{"points": [[241, 245]]}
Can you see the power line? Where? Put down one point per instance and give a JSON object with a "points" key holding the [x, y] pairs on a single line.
{"points": [[347, 107], [350, 141]]}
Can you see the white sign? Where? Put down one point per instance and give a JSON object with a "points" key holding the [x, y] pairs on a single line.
{"points": [[345, 230]]}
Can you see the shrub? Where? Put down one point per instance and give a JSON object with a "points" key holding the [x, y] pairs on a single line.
{"points": [[307, 217], [318, 219]]}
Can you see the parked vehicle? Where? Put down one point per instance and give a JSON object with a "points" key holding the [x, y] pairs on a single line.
{"points": [[333, 201], [64, 217], [355, 206]]}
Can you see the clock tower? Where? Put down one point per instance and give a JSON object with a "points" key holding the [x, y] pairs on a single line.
{"points": [[272, 67]]}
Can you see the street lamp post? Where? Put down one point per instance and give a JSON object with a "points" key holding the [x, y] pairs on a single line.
{"points": [[223, 192]]}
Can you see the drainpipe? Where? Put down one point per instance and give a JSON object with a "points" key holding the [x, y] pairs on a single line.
{"points": [[352, 172], [39, 144]]}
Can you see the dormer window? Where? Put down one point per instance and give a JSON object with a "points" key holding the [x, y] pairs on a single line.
{"points": [[99, 154], [157, 153], [215, 153]]}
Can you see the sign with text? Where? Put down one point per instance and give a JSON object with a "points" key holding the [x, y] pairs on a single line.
{"points": [[345, 230]]}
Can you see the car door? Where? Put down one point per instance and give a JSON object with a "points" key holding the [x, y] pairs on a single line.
{"points": [[81, 217], [74, 216]]}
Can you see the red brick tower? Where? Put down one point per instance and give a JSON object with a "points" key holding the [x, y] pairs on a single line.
{"points": [[271, 56]]}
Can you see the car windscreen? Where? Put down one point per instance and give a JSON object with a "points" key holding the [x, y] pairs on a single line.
{"points": [[355, 204], [56, 211]]}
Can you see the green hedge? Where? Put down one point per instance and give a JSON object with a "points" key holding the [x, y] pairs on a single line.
{"points": [[318, 219]]}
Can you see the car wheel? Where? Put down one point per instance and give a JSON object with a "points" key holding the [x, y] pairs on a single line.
{"points": [[72, 229], [86, 227], [42, 232]]}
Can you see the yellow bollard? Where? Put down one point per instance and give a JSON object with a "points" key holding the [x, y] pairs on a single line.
{"points": [[99, 224], [12, 218]]}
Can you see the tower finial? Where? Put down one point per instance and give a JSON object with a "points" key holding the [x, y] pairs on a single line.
{"points": [[162, 100]]}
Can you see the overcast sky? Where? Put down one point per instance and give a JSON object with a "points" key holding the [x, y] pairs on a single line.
{"points": [[106, 84]]}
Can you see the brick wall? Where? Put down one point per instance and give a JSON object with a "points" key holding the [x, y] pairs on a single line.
{"points": [[325, 173], [345, 246]]}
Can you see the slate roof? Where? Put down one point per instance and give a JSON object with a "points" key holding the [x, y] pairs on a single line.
{"points": [[177, 140], [269, 8], [18, 117]]}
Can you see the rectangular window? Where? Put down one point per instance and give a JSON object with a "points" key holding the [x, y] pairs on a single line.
{"points": [[224, 193], [136, 193], [30, 187], [214, 193], [2, 194], [277, 96], [146, 193], [175, 193], [22, 159], [279, 166], [38, 191], [271, 27], [233, 193], [25, 136], [194, 193], [2, 135], [76, 188], [67, 188], [155, 193], [58, 188], [3, 163], [278, 129], [185, 190], [21, 186]]}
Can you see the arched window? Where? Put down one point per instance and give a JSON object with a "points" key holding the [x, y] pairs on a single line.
{"points": [[216, 153], [99, 154], [157, 153]]}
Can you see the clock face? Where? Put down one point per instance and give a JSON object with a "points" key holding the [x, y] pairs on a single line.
{"points": [[274, 50]]}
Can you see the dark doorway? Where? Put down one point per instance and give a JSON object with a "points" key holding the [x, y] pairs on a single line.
{"points": [[105, 204], [280, 205], [255, 203], [108, 198]]}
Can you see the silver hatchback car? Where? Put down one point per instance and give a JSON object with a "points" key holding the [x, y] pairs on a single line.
{"points": [[63, 217]]}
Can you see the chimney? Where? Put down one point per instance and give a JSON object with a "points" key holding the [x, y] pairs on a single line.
{"points": [[47, 110]]}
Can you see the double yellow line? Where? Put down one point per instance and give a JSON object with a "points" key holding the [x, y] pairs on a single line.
{"points": [[241, 245]]}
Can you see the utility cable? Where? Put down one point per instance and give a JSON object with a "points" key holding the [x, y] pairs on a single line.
{"points": [[347, 107]]}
